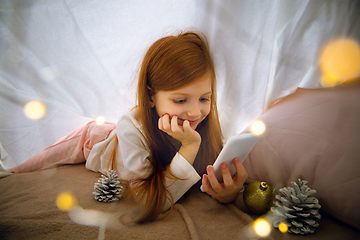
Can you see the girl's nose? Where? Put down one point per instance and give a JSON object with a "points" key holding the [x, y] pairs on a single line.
{"points": [[194, 111]]}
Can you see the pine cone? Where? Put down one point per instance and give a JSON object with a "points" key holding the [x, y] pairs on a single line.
{"points": [[296, 209], [107, 188]]}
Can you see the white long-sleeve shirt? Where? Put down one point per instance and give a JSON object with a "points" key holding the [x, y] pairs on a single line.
{"points": [[131, 159]]}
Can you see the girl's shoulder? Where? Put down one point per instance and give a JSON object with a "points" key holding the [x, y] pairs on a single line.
{"points": [[129, 129], [130, 118]]}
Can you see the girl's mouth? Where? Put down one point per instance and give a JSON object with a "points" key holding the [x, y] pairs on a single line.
{"points": [[192, 122]]}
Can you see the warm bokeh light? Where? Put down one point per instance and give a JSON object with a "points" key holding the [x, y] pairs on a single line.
{"points": [[100, 120], [64, 201], [283, 228], [34, 110], [262, 227], [257, 127], [339, 61], [328, 81]]}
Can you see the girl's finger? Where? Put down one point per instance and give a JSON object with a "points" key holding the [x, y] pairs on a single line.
{"points": [[241, 174], [227, 179], [186, 126], [206, 185], [166, 122], [174, 124], [212, 179], [160, 124]]}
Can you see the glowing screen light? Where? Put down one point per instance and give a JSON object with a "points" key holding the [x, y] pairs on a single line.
{"points": [[262, 227], [100, 120], [34, 110], [339, 61], [257, 127], [64, 201], [283, 228]]}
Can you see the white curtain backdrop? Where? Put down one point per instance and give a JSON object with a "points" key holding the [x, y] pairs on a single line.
{"points": [[80, 58]]}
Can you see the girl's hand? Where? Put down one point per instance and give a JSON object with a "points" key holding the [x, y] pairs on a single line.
{"points": [[185, 134], [228, 190], [189, 138]]}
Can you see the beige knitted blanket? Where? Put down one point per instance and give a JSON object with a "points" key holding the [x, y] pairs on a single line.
{"points": [[28, 210]]}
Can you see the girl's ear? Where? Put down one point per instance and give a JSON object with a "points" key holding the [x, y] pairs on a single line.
{"points": [[152, 103]]}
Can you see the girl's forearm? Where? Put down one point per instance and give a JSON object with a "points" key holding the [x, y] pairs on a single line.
{"points": [[190, 151]]}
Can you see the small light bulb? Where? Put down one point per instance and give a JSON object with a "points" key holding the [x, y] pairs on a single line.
{"points": [[262, 227], [257, 127], [283, 227], [34, 110], [328, 81], [100, 120], [339, 61], [64, 201]]}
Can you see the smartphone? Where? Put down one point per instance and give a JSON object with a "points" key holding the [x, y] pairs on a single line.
{"points": [[238, 146]]}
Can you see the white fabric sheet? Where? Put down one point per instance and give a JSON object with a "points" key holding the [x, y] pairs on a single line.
{"points": [[80, 58]]}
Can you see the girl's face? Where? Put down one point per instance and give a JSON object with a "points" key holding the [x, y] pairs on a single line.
{"points": [[191, 102]]}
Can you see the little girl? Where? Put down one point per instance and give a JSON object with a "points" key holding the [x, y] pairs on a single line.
{"points": [[171, 138]]}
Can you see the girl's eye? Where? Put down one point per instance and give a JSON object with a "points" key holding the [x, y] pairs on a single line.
{"points": [[179, 101], [204, 99]]}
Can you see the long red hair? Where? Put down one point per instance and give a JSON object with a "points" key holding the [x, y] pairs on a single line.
{"points": [[171, 63]]}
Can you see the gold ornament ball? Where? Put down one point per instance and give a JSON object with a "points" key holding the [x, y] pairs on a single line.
{"points": [[258, 197]]}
